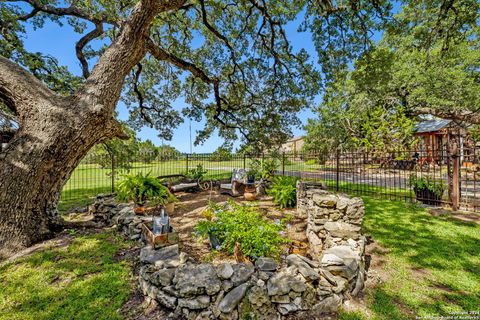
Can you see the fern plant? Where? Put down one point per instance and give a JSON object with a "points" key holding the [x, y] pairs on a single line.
{"points": [[284, 191], [142, 187]]}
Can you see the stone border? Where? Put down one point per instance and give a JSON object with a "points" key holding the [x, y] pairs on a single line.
{"points": [[268, 290]]}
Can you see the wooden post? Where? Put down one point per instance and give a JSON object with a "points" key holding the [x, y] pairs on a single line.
{"points": [[454, 176]]}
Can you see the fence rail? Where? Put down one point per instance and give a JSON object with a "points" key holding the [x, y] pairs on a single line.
{"points": [[445, 176]]}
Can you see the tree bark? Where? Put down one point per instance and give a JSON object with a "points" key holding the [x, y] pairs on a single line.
{"points": [[57, 131], [35, 166]]}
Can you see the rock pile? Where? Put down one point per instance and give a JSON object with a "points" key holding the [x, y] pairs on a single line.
{"points": [[104, 208]]}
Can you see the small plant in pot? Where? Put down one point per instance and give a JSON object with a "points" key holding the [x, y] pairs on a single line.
{"points": [[427, 190], [251, 176], [170, 203], [142, 187]]}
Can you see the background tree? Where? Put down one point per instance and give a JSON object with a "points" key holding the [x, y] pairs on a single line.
{"points": [[427, 62], [124, 152], [147, 151], [222, 153], [346, 122], [167, 152], [231, 63]]}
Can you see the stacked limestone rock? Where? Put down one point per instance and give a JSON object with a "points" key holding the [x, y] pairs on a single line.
{"points": [[104, 208], [230, 291], [334, 231]]}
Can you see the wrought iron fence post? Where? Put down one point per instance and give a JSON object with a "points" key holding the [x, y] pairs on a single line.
{"points": [[283, 163], [337, 170], [244, 161], [113, 173], [187, 163]]}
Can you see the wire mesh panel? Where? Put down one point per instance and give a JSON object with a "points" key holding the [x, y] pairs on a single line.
{"points": [[428, 176]]}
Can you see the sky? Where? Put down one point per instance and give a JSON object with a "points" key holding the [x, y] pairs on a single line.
{"points": [[60, 43]]}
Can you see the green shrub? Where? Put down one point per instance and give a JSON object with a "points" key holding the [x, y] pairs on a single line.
{"points": [[311, 162], [264, 168], [284, 191], [195, 173], [232, 223]]}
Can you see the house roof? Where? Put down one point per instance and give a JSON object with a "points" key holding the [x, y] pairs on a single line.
{"points": [[431, 125]]}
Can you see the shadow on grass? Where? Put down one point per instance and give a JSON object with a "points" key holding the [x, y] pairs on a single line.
{"points": [[80, 281], [445, 246]]}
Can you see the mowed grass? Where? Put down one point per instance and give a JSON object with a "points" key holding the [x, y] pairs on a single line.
{"points": [[432, 264], [78, 281]]}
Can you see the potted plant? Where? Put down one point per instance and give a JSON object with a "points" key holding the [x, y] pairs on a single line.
{"points": [[251, 173], [210, 227], [427, 190], [170, 203], [139, 188]]}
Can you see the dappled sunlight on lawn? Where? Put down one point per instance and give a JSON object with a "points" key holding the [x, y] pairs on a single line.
{"points": [[433, 263], [81, 281]]}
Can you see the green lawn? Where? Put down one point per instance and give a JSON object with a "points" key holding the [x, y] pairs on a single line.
{"points": [[432, 263], [80, 281]]}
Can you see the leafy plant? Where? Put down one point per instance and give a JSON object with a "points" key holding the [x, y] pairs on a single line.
{"points": [[269, 166], [425, 183], [284, 191], [196, 173], [265, 168], [142, 187], [245, 225], [222, 153]]}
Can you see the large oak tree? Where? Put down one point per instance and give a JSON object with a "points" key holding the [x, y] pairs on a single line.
{"points": [[230, 61]]}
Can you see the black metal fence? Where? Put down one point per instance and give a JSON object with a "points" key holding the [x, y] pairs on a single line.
{"points": [[443, 176]]}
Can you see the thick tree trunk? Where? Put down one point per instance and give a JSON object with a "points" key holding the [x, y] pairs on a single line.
{"points": [[35, 166], [56, 132]]}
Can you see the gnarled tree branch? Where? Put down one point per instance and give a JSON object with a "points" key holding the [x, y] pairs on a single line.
{"points": [[95, 33]]}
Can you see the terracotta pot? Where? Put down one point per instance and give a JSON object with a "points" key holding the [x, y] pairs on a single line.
{"points": [[170, 208], [250, 193], [298, 247], [139, 210]]}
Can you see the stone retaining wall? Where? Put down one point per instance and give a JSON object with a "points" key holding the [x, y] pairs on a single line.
{"points": [[267, 289]]}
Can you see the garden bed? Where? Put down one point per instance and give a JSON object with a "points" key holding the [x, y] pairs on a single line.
{"points": [[189, 211], [255, 274]]}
